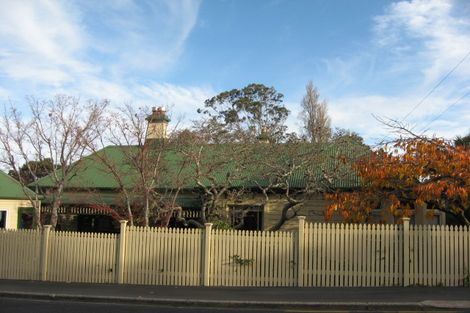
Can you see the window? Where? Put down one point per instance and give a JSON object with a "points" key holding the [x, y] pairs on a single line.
{"points": [[435, 219], [247, 217], [3, 219], [25, 218]]}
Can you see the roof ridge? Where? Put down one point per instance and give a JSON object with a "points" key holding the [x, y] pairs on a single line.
{"points": [[18, 184]]}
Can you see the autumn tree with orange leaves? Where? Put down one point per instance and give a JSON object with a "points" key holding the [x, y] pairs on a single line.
{"points": [[408, 173]]}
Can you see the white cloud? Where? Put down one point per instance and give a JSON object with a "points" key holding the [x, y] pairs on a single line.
{"points": [[294, 121], [4, 94], [143, 35], [40, 41], [44, 28], [183, 100], [344, 71], [415, 44], [358, 113], [444, 37], [92, 48], [95, 87]]}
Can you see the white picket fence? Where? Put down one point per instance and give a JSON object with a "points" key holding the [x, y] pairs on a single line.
{"points": [[373, 255], [316, 255], [19, 254], [162, 256], [81, 257]]}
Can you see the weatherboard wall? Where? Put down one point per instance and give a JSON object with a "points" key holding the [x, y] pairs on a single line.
{"points": [[12, 207], [312, 208]]}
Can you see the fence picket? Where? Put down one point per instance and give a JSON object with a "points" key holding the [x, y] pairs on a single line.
{"points": [[333, 255], [466, 253]]}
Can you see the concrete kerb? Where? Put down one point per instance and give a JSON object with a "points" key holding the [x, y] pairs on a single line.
{"points": [[364, 306]]}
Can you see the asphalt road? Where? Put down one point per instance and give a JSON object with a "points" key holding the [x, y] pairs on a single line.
{"points": [[12, 305]]}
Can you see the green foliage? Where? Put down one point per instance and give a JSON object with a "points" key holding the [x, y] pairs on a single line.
{"points": [[222, 225], [463, 141], [238, 260], [342, 135], [466, 279], [245, 113], [33, 168]]}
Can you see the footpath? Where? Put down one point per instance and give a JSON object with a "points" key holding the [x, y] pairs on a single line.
{"points": [[362, 298]]}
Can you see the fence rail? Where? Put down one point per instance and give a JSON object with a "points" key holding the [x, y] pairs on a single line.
{"points": [[339, 255]]}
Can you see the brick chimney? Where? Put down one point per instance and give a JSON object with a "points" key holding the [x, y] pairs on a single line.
{"points": [[157, 124]]}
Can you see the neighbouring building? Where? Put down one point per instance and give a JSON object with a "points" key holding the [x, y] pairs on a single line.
{"points": [[16, 210]]}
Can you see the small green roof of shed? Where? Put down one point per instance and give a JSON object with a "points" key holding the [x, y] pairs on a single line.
{"points": [[10, 188]]}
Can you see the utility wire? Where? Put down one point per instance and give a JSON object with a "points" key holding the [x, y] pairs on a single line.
{"points": [[432, 90], [425, 128], [436, 86]]}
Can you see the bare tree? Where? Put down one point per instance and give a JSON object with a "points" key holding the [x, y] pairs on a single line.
{"points": [[316, 122], [118, 172], [149, 176], [13, 140], [274, 174], [142, 160], [57, 131], [216, 170], [296, 171]]}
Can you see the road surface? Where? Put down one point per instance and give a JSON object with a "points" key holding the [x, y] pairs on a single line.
{"points": [[13, 305]]}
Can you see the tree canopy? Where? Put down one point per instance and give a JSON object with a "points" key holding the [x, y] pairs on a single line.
{"points": [[463, 141], [53, 138], [316, 122], [408, 173], [32, 170], [246, 113]]}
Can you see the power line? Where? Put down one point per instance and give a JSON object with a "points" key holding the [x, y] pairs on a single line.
{"points": [[436, 86], [425, 128], [433, 89]]}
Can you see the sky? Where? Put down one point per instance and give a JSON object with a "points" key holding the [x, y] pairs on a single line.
{"points": [[402, 60]]}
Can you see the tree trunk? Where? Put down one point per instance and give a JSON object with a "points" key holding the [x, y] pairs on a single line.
{"points": [[129, 212], [54, 213], [56, 204], [37, 210], [146, 210], [37, 217], [284, 215], [464, 219], [203, 213]]}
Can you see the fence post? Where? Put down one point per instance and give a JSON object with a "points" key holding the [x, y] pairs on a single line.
{"points": [[206, 245], [406, 251], [44, 252], [300, 251], [121, 252]]}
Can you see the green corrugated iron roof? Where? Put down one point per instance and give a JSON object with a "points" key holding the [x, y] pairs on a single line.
{"points": [[12, 189], [186, 200], [91, 173]]}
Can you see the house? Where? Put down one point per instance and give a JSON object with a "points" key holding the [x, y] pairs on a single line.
{"points": [[16, 209], [93, 198]]}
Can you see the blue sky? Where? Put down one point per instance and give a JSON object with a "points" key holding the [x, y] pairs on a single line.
{"points": [[366, 57]]}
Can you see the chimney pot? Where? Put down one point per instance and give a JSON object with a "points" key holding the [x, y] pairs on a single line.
{"points": [[157, 123]]}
